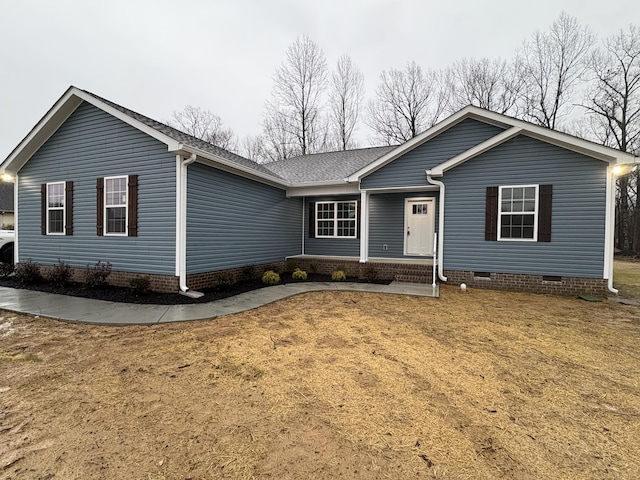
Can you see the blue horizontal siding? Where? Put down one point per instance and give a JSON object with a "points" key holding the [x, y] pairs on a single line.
{"points": [[578, 211], [409, 169], [233, 221], [89, 145], [386, 223], [343, 247]]}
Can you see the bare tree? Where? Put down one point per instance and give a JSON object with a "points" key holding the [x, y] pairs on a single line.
{"points": [[204, 125], [614, 104], [406, 103], [552, 64], [345, 101], [292, 122], [492, 84]]}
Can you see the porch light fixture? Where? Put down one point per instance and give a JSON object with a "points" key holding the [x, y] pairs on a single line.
{"points": [[7, 178], [624, 168]]}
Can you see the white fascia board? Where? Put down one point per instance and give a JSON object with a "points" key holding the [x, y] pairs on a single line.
{"points": [[417, 188], [212, 160], [559, 139], [337, 188], [57, 115], [439, 170], [416, 141]]}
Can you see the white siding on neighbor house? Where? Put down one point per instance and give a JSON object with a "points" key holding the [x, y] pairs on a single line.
{"points": [[233, 221], [578, 211], [89, 145]]}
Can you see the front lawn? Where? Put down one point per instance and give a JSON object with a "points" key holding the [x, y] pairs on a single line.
{"points": [[328, 385]]}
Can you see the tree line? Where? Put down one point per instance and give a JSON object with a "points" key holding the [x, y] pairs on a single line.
{"points": [[564, 78]]}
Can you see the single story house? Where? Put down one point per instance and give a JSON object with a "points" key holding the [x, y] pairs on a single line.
{"points": [[6, 206], [479, 198]]}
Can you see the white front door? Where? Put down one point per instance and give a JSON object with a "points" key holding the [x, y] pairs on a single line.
{"points": [[419, 224]]}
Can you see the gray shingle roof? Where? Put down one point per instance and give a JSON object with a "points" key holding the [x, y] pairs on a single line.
{"points": [[187, 139], [324, 167], [6, 197]]}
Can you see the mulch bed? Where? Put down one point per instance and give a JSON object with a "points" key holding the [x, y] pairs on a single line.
{"points": [[129, 295]]}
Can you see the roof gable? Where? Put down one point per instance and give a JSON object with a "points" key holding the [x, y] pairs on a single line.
{"points": [[512, 127], [175, 140]]}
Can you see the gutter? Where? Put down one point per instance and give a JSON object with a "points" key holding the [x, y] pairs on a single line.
{"points": [[440, 224]]}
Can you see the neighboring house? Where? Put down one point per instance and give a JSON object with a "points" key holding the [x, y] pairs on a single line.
{"points": [[503, 203], [6, 206]]}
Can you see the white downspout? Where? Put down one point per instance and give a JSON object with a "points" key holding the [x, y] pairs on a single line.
{"points": [[440, 185], [609, 228], [182, 244]]}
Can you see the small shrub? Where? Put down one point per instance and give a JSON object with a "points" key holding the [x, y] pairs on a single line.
{"points": [[270, 278], [338, 276], [313, 267], [6, 269], [96, 275], [290, 265], [28, 273], [370, 274], [60, 273], [248, 272], [223, 281], [140, 284], [299, 274]]}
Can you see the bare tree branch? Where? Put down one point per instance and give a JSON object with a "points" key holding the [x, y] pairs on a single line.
{"points": [[345, 101], [204, 125]]}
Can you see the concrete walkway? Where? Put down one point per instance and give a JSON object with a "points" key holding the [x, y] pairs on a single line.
{"points": [[86, 310]]}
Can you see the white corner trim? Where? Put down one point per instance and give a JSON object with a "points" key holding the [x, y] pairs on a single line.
{"points": [[178, 255], [364, 226], [15, 220]]}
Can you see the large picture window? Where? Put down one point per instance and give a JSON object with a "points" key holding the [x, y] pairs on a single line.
{"points": [[55, 208], [115, 205], [518, 212], [336, 219]]}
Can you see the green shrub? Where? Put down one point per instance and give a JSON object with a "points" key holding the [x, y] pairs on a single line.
{"points": [[140, 284], [370, 274], [60, 273], [28, 273], [299, 274], [338, 276], [6, 269], [223, 281], [248, 272], [270, 278], [290, 265], [96, 275]]}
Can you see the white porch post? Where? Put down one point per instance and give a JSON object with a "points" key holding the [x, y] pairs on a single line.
{"points": [[364, 226]]}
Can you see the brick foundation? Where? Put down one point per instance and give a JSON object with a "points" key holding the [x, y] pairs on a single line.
{"points": [[381, 270], [528, 283], [210, 279]]}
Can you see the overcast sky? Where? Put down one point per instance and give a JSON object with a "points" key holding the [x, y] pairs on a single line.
{"points": [[157, 56]]}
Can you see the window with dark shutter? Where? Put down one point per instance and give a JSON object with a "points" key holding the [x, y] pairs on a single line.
{"points": [[491, 215], [544, 214], [100, 207], [43, 209], [133, 206], [68, 205], [312, 220], [358, 218]]}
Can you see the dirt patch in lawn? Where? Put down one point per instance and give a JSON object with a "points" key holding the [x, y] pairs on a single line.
{"points": [[326, 385]]}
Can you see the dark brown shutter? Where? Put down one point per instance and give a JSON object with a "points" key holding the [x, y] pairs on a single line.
{"points": [[133, 206], [68, 206], [358, 218], [544, 213], [100, 207], [312, 220], [491, 215], [43, 209]]}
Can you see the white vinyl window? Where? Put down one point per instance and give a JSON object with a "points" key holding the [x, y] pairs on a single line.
{"points": [[336, 219], [115, 205], [55, 208], [518, 213]]}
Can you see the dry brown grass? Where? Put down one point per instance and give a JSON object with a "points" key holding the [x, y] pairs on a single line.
{"points": [[477, 385]]}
